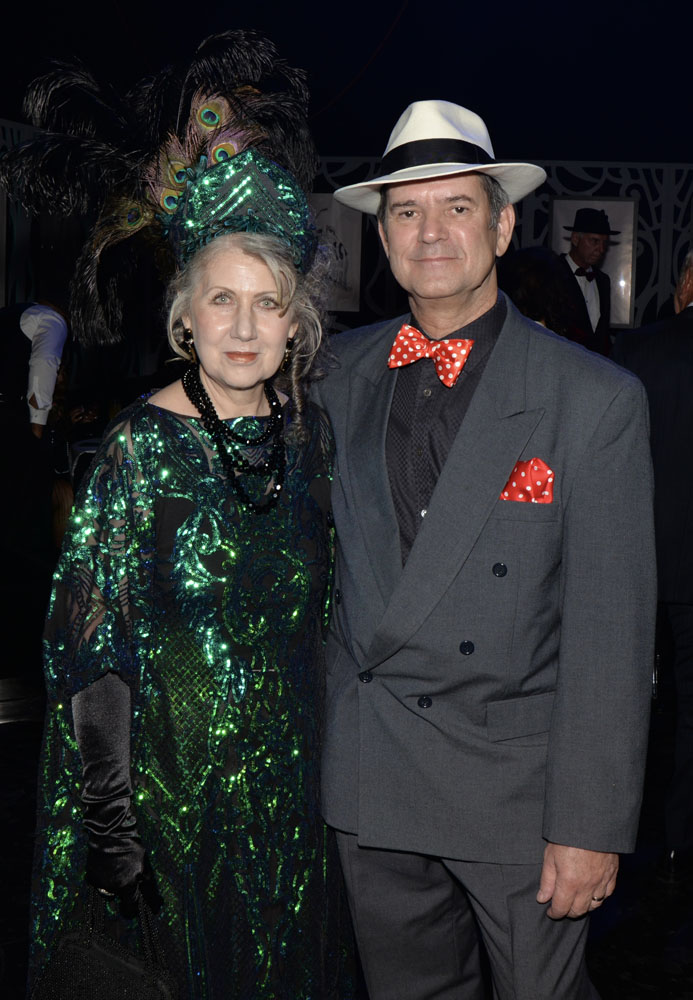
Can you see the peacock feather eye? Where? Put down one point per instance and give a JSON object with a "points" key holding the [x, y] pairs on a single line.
{"points": [[169, 200], [222, 151], [177, 173], [128, 216], [209, 114]]}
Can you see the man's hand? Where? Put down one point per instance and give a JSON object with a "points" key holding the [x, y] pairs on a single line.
{"points": [[575, 880]]}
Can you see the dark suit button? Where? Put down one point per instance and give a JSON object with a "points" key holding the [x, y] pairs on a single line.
{"points": [[424, 701], [365, 676], [337, 596], [500, 569], [466, 647]]}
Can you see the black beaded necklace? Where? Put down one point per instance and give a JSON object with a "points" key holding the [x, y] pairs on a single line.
{"points": [[228, 442]]}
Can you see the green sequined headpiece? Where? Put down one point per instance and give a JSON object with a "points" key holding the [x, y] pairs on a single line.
{"points": [[247, 193]]}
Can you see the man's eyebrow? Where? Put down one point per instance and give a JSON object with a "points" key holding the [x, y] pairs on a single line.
{"points": [[402, 204], [460, 197], [451, 200]]}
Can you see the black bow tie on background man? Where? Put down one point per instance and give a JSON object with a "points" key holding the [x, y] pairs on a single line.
{"points": [[582, 272]]}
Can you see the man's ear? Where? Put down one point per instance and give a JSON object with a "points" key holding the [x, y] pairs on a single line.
{"points": [[383, 239], [684, 291], [504, 229]]}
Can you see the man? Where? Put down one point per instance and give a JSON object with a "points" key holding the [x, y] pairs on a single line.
{"points": [[32, 338], [590, 288], [489, 658], [662, 356]]}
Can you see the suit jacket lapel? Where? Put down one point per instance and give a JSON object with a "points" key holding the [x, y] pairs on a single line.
{"points": [[582, 316], [493, 434], [604, 292], [371, 387]]}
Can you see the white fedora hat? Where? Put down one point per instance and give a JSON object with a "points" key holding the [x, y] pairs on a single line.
{"points": [[434, 139]]}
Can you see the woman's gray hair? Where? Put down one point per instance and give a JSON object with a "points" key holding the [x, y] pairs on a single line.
{"points": [[301, 295]]}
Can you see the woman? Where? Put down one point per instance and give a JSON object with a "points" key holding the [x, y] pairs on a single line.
{"points": [[189, 598], [184, 639]]}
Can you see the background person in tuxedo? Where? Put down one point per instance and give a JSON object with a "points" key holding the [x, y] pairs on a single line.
{"points": [[590, 288], [489, 657], [661, 355]]}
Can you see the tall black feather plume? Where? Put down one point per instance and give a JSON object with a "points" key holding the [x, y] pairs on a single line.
{"points": [[89, 144], [63, 174], [70, 100], [154, 104], [96, 291]]}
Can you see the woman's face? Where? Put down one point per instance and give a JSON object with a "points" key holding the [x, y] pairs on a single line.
{"points": [[239, 329]]}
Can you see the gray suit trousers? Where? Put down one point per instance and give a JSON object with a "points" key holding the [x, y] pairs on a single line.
{"points": [[416, 920]]}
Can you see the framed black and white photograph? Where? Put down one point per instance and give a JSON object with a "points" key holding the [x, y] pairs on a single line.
{"points": [[339, 230], [619, 262]]}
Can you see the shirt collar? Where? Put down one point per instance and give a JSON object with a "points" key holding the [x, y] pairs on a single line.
{"points": [[483, 331], [574, 266]]}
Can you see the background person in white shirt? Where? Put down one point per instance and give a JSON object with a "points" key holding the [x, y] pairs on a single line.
{"points": [[590, 287], [33, 337]]}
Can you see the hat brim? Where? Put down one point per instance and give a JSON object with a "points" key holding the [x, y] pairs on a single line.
{"points": [[597, 232], [516, 179]]}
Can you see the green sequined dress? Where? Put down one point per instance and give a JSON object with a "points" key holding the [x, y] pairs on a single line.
{"points": [[213, 616]]}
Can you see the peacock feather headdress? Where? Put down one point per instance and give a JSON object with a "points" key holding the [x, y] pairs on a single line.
{"points": [[222, 146]]}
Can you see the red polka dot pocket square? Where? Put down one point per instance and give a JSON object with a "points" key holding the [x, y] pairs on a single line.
{"points": [[530, 482]]}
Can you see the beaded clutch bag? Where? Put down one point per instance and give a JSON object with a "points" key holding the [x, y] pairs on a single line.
{"points": [[87, 963]]}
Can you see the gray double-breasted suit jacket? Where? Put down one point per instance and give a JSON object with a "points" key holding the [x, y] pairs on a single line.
{"points": [[493, 693]]}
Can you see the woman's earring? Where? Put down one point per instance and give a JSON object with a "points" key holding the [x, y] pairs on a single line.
{"points": [[189, 345], [286, 360]]}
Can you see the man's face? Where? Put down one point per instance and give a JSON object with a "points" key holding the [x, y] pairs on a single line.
{"points": [[683, 296], [588, 249], [441, 250]]}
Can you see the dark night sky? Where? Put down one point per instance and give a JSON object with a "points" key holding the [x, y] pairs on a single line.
{"points": [[600, 81]]}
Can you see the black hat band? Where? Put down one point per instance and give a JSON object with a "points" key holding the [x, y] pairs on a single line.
{"points": [[424, 152]]}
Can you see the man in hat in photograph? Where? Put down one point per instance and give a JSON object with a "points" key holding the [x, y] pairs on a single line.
{"points": [[589, 288], [489, 655]]}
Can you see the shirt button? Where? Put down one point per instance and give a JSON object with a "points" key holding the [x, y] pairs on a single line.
{"points": [[365, 676], [423, 512], [424, 701], [500, 569], [419, 452], [427, 393], [337, 596], [466, 647]]}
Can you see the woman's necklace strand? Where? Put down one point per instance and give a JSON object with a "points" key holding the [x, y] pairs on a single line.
{"points": [[227, 441]]}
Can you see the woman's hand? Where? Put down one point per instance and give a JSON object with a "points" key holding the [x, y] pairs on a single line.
{"points": [[120, 881]]}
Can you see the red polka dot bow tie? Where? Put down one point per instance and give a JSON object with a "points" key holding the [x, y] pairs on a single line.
{"points": [[449, 355]]}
